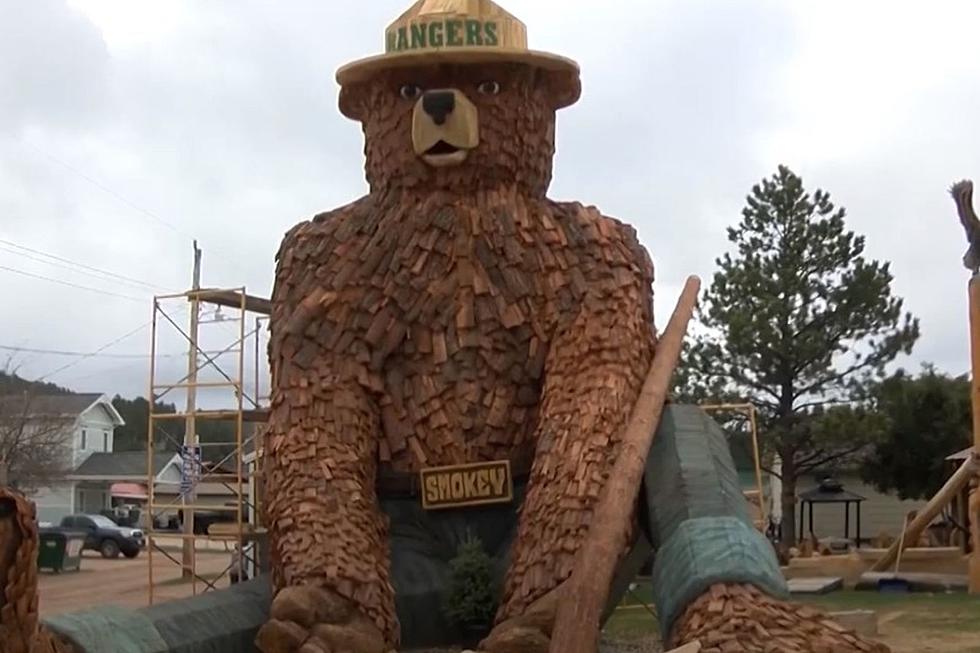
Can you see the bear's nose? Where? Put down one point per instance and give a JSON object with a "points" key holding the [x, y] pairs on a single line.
{"points": [[439, 104]]}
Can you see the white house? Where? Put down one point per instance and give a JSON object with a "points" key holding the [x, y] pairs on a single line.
{"points": [[90, 422]]}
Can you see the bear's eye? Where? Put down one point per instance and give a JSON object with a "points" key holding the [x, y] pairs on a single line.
{"points": [[489, 87], [410, 91]]}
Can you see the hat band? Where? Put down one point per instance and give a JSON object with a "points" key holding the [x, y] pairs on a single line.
{"points": [[443, 33]]}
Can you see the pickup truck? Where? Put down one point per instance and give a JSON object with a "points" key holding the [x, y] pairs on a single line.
{"points": [[105, 536]]}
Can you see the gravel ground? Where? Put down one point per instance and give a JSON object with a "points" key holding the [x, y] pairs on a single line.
{"points": [[606, 645]]}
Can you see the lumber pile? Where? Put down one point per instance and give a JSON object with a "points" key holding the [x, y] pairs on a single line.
{"points": [[741, 619]]}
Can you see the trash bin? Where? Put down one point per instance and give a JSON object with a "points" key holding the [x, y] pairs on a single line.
{"points": [[60, 550]]}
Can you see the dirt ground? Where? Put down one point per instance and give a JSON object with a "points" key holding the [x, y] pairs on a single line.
{"points": [[124, 582], [911, 623]]}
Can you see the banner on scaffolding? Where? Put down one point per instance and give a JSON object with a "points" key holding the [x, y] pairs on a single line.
{"points": [[190, 468]]}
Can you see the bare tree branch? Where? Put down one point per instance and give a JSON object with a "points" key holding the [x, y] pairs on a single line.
{"points": [[35, 448]]}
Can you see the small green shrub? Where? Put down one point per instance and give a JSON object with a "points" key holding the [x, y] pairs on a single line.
{"points": [[472, 598]]}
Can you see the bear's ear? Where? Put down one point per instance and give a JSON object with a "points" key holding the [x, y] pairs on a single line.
{"points": [[563, 88], [352, 101]]}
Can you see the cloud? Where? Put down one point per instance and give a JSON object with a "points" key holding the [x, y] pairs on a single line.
{"points": [[131, 128], [53, 67]]}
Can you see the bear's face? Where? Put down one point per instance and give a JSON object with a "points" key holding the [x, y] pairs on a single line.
{"points": [[457, 127]]}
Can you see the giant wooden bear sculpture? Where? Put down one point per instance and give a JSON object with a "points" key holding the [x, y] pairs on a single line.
{"points": [[454, 314]]}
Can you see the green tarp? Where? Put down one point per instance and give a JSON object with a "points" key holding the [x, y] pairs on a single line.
{"points": [[699, 519]]}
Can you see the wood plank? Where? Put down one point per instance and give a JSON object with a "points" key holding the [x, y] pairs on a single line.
{"points": [[232, 299], [815, 585]]}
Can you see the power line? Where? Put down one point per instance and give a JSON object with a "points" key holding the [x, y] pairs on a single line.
{"points": [[73, 285], [122, 199], [96, 352], [122, 278], [59, 352], [108, 190]]}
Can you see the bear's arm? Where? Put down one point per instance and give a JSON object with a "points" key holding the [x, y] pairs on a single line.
{"points": [[699, 519], [594, 369], [716, 578], [326, 526]]}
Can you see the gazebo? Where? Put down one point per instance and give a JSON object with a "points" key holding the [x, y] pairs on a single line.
{"points": [[831, 491]]}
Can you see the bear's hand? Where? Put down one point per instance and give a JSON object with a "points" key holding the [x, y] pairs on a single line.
{"points": [[742, 619], [309, 619], [529, 632]]}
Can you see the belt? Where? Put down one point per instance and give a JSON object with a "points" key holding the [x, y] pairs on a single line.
{"points": [[391, 484]]}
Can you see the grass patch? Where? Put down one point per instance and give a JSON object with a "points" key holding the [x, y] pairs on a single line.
{"points": [[917, 613], [630, 623], [954, 612]]}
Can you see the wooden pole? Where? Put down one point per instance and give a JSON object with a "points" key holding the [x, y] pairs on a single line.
{"points": [[914, 528], [974, 293], [190, 427], [577, 620], [758, 465]]}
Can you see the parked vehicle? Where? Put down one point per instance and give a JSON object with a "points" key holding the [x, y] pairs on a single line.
{"points": [[106, 536], [204, 518]]}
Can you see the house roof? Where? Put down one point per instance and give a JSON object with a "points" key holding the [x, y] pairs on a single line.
{"points": [[59, 406], [121, 465]]}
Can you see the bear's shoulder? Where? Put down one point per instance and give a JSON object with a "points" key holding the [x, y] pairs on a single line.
{"points": [[605, 234], [322, 229]]}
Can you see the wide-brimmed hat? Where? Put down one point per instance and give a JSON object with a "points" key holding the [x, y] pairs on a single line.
{"points": [[463, 31]]}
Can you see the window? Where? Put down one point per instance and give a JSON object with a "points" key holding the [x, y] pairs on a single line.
{"points": [[101, 521], [105, 440], [84, 434]]}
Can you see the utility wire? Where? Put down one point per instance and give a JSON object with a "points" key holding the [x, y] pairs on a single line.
{"points": [[73, 285], [139, 209], [58, 352], [122, 278], [108, 190], [94, 353]]}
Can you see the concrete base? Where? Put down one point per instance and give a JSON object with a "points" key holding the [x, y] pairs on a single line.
{"points": [[815, 585], [864, 622]]}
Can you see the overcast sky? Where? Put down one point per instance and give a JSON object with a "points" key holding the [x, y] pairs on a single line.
{"points": [[129, 127]]}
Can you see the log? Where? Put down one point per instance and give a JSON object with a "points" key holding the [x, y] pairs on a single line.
{"points": [[914, 528], [974, 295], [587, 589]]}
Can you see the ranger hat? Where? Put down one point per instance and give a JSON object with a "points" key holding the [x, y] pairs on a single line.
{"points": [[460, 32]]}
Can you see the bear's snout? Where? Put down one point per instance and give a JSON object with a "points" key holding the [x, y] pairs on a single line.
{"points": [[439, 104], [445, 126]]}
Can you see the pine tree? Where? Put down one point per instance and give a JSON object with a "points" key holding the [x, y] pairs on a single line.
{"points": [[926, 418], [797, 320]]}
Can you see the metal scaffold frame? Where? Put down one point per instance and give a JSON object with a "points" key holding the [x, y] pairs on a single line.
{"points": [[240, 414]]}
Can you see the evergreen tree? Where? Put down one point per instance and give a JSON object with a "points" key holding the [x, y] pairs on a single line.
{"points": [[926, 419], [795, 321], [136, 414]]}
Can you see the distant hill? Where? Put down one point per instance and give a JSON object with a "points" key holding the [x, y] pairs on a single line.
{"points": [[11, 383]]}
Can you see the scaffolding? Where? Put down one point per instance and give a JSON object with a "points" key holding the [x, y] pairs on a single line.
{"points": [[756, 497], [243, 407]]}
